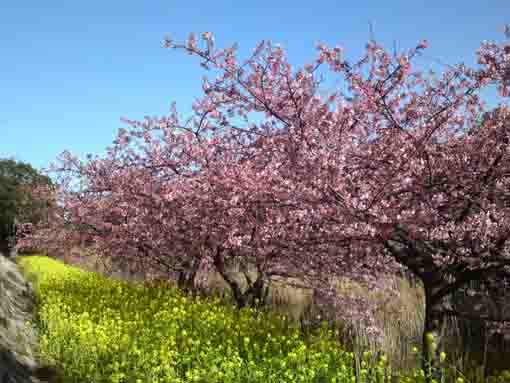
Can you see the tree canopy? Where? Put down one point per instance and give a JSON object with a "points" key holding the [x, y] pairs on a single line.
{"points": [[273, 173], [17, 181]]}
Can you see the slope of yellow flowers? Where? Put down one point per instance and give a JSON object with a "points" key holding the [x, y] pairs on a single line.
{"points": [[96, 329]]}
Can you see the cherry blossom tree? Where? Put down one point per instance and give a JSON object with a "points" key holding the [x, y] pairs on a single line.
{"points": [[273, 171]]}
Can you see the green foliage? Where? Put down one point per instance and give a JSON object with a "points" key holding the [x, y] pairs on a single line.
{"points": [[96, 329], [17, 179]]}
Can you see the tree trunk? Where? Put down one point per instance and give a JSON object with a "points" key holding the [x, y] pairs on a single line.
{"points": [[432, 339], [4, 247], [255, 293], [186, 277]]}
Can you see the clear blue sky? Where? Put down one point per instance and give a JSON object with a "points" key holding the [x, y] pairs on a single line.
{"points": [[69, 70]]}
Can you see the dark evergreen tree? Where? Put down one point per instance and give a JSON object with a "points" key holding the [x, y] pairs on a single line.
{"points": [[17, 180]]}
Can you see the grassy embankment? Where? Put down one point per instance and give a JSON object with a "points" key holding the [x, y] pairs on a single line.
{"points": [[95, 329]]}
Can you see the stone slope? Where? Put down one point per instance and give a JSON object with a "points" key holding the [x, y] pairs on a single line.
{"points": [[18, 342]]}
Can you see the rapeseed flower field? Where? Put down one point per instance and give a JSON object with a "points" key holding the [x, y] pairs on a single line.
{"points": [[95, 329]]}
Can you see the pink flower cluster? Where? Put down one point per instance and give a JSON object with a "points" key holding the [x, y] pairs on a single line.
{"points": [[404, 171]]}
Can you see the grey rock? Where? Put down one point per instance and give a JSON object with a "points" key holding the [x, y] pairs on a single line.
{"points": [[18, 341]]}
